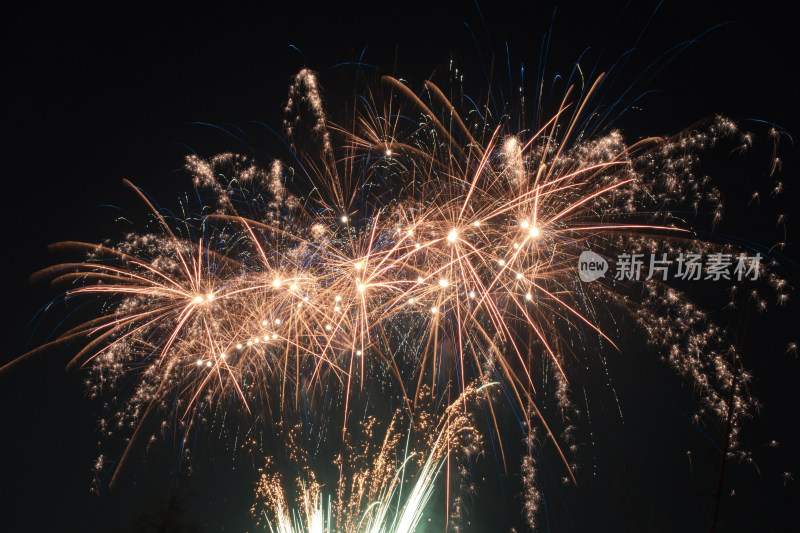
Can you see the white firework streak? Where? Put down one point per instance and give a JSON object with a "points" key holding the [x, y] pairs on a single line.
{"points": [[316, 518]]}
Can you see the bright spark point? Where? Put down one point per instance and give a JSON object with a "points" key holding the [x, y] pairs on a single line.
{"points": [[208, 364], [278, 321], [411, 301], [525, 224], [223, 356], [477, 223], [434, 310], [452, 236], [418, 246], [198, 299], [501, 262], [328, 327], [516, 245], [274, 335], [443, 282], [276, 283], [263, 322], [362, 287], [338, 299], [293, 287], [359, 266], [420, 279], [519, 275], [210, 296], [358, 352], [472, 294], [388, 153], [337, 308], [534, 231], [528, 296], [344, 219], [199, 362], [238, 346]]}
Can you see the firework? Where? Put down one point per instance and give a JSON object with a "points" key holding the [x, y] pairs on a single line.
{"points": [[381, 515], [372, 474], [413, 248]]}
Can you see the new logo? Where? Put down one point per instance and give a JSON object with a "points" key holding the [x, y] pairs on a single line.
{"points": [[591, 266]]}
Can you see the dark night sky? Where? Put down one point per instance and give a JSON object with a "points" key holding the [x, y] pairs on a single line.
{"points": [[93, 97]]}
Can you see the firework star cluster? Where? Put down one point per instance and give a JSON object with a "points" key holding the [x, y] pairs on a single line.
{"points": [[418, 247]]}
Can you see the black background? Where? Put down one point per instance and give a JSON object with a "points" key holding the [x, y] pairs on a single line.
{"points": [[95, 96]]}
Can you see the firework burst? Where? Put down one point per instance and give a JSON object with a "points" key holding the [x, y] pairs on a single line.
{"points": [[373, 472], [418, 246]]}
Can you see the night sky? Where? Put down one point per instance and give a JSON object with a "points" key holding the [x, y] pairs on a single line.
{"points": [[95, 96]]}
